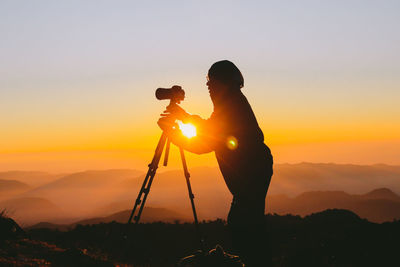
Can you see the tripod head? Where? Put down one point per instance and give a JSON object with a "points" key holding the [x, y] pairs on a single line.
{"points": [[175, 94]]}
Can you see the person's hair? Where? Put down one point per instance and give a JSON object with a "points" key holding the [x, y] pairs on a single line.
{"points": [[227, 72]]}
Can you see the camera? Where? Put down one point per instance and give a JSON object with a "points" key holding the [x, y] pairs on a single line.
{"points": [[175, 94]]}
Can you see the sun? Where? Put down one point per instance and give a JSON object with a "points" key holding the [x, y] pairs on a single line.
{"points": [[188, 129]]}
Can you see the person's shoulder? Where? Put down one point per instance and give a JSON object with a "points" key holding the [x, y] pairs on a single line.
{"points": [[240, 101]]}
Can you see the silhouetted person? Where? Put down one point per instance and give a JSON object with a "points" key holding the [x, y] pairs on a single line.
{"points": [[232, 132]]}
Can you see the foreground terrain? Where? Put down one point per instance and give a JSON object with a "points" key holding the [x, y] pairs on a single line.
{"points": [[328, 238]]}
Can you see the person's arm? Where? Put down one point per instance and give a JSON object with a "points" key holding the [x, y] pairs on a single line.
{"points": [[205, 139]]}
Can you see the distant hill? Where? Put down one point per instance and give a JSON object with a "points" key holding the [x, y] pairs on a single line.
{"points": [[9, 188], [382, 193], [30, 210], [213, 198], [103, 192], [80, 193], [379, 205], [169, 190], [294, 179], [90, 179], [31, 178], [12, 185], [48, 225], [149, 215], [114, 207], [334, 217]]}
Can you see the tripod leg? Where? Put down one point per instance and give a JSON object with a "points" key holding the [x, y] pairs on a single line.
{"points": [[191, 196], [148, 179], [167, 152]]}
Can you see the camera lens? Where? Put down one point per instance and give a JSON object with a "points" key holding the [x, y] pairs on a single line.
{"points": [[164, 93], [175, 94]]}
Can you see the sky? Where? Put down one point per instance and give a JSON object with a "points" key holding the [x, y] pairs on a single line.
{"points": [[77, 78]]}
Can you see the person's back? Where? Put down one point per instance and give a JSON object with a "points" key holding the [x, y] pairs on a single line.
{"points": [[241, 150]]}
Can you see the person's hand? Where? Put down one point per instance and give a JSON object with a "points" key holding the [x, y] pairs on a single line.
{"points": [[166, 123], [175, 111]]}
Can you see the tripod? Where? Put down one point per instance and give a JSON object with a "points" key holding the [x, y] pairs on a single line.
{"points": [[148, 180]]}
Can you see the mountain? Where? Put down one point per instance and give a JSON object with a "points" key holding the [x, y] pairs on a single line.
{"points": [[382, 193], [334, 217], [293, 179], [31, 178], [12, 185], [9, 188], [31, 210], [101, 193], [169, 190], [213, 199], [48, 225], [114, 207], [89, 179], [80, 193], [149, 214], [379, 205]]}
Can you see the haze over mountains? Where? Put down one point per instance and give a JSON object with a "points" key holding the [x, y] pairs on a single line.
{"points": [[295, 188], [28, 210], [294, 179], [379, 205], [9, 188], [32, 178], [149, 215]]}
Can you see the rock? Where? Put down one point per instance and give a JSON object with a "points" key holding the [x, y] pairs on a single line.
{"points": [[216, 257], [9, 229]]}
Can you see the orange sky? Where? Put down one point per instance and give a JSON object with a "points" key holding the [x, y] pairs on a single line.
{"points": [[120, 138]]}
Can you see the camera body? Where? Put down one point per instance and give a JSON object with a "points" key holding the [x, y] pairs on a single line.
{"points": [[176, 94]]}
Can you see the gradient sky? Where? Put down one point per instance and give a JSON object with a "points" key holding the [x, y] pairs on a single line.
{"points": [[77, 78]]}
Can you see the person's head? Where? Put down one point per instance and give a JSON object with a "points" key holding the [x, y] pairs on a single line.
{"points": [[223, 77]]}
